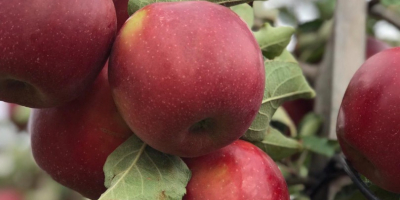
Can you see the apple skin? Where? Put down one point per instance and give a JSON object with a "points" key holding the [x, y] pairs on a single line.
{"points": [[187, 77], [239, 171], [121, 8], [369, 120], [10, 194], [375, 46], [72, 142], [52, 50]]}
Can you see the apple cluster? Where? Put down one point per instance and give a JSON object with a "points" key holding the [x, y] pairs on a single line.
{"points": [[187, 78]]}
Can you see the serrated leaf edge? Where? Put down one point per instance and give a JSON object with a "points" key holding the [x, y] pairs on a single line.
{"points": [[298, 145]]}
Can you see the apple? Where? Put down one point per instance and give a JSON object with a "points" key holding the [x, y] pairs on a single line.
{"points": [[239, 171], [10, 194], [72, 142], [51, 51], [298, 108], [375, 46], [121, 8], [368, 122], [187, 77]]}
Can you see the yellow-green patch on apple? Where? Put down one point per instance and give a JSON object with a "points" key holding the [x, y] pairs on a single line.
{"points": [[134, 25]]}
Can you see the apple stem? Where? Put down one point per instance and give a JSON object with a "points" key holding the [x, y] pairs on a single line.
{"points": [[201, 126]]}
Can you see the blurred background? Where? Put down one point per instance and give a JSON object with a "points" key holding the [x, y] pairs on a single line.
{"points": [[21, 179]]}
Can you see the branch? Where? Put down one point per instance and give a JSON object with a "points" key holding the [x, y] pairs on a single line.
{"points": [[381, 12]]}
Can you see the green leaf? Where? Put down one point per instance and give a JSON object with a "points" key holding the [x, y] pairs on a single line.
{"points": [[390, 2], [284, 81], [318, 145], [326, 8], [283, 117], [136, 171], [273, 40], [286, 56], [311, 44], [278, 146], [245, 12], [258, 11], [310, 125], [135, 5]]}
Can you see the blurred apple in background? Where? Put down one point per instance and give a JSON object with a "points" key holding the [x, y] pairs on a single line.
{"points": [[10, 194], [374, 46], [72, 142], [298, 108], [240, 171]]}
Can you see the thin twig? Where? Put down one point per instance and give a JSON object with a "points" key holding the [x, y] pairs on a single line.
{"points": [[381, 12]]}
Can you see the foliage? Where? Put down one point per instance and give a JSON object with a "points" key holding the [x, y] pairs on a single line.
{"points": [[135, 170]]}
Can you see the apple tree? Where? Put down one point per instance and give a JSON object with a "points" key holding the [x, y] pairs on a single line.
{"points": [[199, 100]]}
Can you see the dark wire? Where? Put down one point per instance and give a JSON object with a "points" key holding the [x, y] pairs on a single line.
{"points": [[353, 174]]}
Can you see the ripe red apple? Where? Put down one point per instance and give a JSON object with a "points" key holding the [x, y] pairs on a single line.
{"points": [[187, 77], [368, 123], [72, 142], [375, 46], [51, 51], [239, 171], [121, 8], [10, 194]]}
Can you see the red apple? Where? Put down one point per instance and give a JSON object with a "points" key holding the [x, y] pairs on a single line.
{"points": [[51, 51], [375, 46], [187, 77], [10, 194], [368, 123], [72, 142], [298, 108], [121, 8], [240, 171]]}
